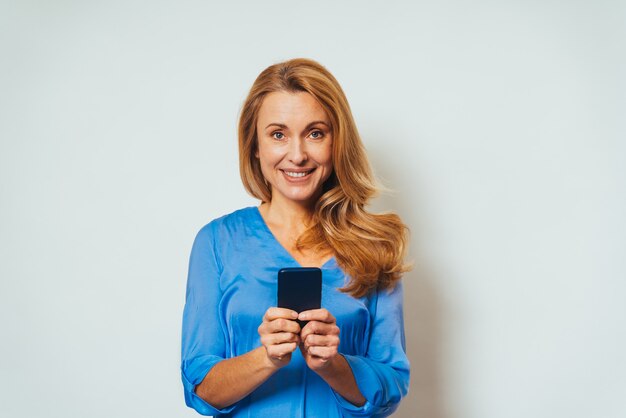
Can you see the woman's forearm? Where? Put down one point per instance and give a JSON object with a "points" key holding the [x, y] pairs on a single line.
{"points": [[232, 379], [339, 376]]}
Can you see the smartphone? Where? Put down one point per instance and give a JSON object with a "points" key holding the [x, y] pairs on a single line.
{"points": [[300, 289]]}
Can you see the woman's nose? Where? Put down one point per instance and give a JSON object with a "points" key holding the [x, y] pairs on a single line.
{"points": [[297, 152]]}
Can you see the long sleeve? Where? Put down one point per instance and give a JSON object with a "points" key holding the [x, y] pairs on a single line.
{"points": [[203, 340], [382, 375]]}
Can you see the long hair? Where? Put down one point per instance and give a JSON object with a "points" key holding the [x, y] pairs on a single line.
{"points": [[369, 247]]}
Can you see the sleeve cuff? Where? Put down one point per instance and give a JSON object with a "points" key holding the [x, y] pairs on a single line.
{"points": [[192, 374], [365, 410], [369, 384], [365, 376]]}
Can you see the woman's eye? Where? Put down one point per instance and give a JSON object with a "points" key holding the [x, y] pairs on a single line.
{"points": [[278, 135], [317, 134]]}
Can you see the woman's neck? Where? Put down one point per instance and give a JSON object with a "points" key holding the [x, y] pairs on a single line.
{"points": [[286, 214]]}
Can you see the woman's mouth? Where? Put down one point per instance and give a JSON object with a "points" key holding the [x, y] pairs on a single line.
{"points": [[297, 175]]}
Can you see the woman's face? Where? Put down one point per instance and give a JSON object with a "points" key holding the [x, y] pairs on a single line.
{"points": [[294, 146]]}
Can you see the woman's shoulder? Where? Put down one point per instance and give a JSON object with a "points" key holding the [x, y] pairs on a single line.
{"points": [[232, 222]]}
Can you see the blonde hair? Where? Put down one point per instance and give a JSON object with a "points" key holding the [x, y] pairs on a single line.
{"points": [[369, 247]]}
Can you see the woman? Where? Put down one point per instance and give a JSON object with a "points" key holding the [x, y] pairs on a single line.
{"points": [[301, 155]]}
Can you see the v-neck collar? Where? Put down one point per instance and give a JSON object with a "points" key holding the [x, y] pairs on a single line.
{"points": [[277, 243]]}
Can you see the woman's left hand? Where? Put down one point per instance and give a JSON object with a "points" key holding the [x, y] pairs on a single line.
{"points": [[319, 338]]}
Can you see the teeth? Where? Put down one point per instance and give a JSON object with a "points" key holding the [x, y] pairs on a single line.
{"points": [[294, 174]]}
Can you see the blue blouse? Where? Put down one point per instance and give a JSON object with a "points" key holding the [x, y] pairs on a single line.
{"points": [[232, 281]]}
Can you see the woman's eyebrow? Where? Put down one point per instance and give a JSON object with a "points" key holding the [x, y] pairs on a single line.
{"points": [[283, 126]]}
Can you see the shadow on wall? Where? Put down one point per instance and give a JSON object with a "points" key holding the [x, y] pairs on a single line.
{"points": [[423, 310], [422, 316]]}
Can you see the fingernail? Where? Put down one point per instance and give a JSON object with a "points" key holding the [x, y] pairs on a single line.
{"points": [[294, 314], [303, 316]]}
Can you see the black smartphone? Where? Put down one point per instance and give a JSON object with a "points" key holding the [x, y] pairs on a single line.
{"points": [[300, 289]]}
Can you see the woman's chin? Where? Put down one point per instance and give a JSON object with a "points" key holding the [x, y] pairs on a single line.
{"points": [[299, 196]]}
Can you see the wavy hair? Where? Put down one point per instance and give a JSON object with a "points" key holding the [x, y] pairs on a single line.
{"points": [[369, 247]]}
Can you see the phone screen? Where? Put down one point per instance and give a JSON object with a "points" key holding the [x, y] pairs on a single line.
{"points": [[300, 289]]}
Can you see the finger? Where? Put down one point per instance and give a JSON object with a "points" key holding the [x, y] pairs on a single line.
{"points": [[275, 313], [280, 338], [283, 325], [322, 352], [313, 340], [321, 328], [281, 350], [321, 315]]}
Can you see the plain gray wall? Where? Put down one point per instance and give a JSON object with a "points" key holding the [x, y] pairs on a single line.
{"points": [[498, 125]]}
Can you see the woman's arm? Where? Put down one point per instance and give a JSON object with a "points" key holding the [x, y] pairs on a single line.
{"points": [[339, 376], [382, 373], [212, 382], [320, 340], [232, 379], [369, 385]]}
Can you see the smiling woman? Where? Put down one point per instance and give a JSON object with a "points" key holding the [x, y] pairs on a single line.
{"points": [[301, 155], [295, 154]]}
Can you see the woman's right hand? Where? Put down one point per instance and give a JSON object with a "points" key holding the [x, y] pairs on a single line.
{"points": [[280, 335]]}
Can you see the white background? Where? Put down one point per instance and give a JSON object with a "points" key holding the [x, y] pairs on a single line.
{"points": [[498, 125]]}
